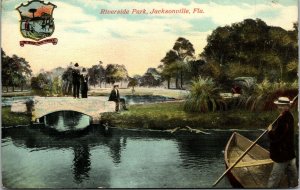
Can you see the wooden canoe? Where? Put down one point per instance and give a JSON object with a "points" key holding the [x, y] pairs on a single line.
{"points": [[254, 169]]}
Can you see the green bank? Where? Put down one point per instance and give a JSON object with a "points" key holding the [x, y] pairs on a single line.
{"points": [[13, 119], [170, 115]]}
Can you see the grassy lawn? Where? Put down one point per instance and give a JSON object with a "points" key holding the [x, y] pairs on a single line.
{"points": [[17, 93], [13, 119], [171, 115], [168, 115], [171, 93]]}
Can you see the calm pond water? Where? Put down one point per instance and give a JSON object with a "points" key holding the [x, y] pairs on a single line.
{"points": [[41, 156], [130, 99], [141, 99]]}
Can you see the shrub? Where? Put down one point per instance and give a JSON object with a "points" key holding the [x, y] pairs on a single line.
{"points": [[204, 96], [266, 93], [236, 70]]}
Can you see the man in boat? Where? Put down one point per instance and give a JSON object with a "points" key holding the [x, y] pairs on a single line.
{"points": [[281, 135], [115, 96]]}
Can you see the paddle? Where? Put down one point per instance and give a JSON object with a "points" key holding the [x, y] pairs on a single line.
{"points": [[247, 150]]}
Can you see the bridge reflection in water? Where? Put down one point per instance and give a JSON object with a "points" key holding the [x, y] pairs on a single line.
{"points": [[72, 123], [92, 157], [81, 142], [66, 120]]}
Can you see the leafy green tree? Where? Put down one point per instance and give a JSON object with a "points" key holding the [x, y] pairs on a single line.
{"points": [[96, 74], [195, 67], [185, 51], [166, 68], [292, 69], [151, 78], [15, 71], [67, 81], [115, 73], [236, 70], [133, 82], [41, 84], [165, 73], [57, 86], [264, 50], [6, 70], [175, 61]]}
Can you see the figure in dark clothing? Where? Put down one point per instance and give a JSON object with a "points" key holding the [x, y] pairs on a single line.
{"points": [[282, 150], [84, 83], [115, 96], [236, 89], [76, 81]]}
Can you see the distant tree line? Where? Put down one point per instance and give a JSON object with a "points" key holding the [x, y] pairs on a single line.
{"points": [[249, 48], [16, 71], [47, 83], [97, 76]]}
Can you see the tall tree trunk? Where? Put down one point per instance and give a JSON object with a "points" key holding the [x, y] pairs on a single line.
{"points": [[68, 88], [168, 83], [7, 88], [176, 82], [281, 72], [181, 77], [13, 88]]}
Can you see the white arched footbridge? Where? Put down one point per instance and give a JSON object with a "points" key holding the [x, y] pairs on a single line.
{"points": [[91, 106]]}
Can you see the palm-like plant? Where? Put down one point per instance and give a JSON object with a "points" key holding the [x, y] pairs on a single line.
{"points": [[266, 92], [204, 96]]}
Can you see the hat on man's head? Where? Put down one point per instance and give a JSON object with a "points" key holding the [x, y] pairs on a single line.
{"points": [[84, 70], [116, 85], [283, 101], [76, 65]]}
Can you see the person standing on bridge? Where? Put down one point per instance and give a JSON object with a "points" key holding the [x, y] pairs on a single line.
{"points": [[115, 96], [84, 83], [76, 80], [282, 150]]}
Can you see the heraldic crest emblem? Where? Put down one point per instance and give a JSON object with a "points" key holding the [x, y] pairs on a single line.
{"points": [[37, 22]]}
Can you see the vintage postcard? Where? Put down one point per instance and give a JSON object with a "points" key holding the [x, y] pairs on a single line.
{"points": [[149, 94]]}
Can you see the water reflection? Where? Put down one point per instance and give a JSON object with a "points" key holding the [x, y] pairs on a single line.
{"points": [[191, 148], [138, 99], [66, 120], [115, 150], [37, 138], [81, 162], [91, 158]]}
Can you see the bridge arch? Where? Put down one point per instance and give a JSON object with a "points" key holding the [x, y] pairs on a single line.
{"points": [[66, 110], [67, 117], [92, 106]]}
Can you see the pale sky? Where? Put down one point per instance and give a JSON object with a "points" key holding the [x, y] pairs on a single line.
{"points": [[137, 41]]}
